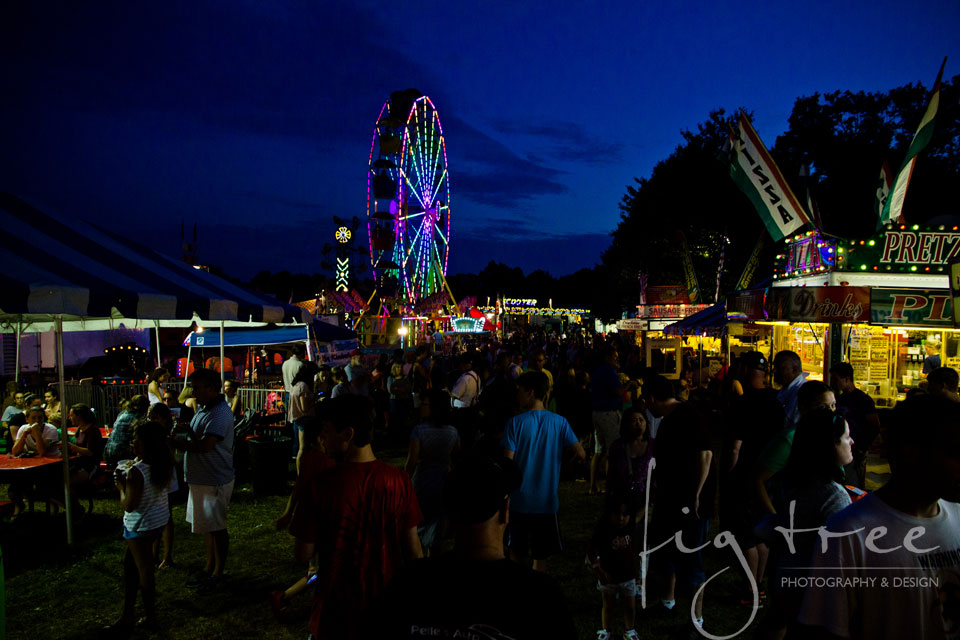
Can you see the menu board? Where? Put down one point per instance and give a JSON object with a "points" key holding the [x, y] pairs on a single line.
{"points": [[878, 371]]}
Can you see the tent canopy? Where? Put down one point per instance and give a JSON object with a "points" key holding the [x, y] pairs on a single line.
{"points": [[247, 337], [96, 279], [710, 321]]}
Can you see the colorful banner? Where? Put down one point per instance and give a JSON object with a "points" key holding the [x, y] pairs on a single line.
{"points": [[693, 287], [751, 267], [913, 307], [758, 176], [893, 208], [884, 183]]}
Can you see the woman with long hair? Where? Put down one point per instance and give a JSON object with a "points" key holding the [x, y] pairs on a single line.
{"points": [[812, 492], [154, 382], [433, 444], [143, 496]]}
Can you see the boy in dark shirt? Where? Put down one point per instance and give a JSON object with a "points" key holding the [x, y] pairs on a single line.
{"points": [[494, 597], [612, 556]]}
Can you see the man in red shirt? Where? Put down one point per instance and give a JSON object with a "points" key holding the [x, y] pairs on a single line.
{"points": [[361, 519]]}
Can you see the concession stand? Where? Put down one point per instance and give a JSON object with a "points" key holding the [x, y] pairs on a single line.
{"points": [[883, 304], [663, 306]]}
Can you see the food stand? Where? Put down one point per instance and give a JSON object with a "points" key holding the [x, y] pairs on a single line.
{"points": [[881, 304]]}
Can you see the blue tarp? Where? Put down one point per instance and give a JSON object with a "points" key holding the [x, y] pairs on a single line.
{"points": [[247, 337], [323, 331]]}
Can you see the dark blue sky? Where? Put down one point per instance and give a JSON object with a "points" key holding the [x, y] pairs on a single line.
{"points": [[254, 118]]}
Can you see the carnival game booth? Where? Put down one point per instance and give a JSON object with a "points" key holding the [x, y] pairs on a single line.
{"points": [[883, 304], [76, 276], [722, 332], [662, 307], [510, 313]]}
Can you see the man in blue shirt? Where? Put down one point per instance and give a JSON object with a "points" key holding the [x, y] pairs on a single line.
{"points": [[537, 441], [208, 471]]}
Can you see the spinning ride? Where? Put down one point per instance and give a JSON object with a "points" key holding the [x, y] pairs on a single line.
{"points": [[408, 199]]}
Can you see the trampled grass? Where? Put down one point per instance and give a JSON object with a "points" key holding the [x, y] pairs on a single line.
{"points": [[53, 592]]}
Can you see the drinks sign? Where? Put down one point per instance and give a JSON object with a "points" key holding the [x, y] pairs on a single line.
{"points": [[829, 304], [924, 307]]}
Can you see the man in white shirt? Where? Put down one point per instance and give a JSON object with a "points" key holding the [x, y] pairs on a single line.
{"points": [[467, 388], [891, 564]]}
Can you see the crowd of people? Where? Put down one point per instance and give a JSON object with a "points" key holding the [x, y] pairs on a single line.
{"points": [[778, 469]]}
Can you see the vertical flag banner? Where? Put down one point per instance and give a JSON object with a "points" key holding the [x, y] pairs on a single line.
{"points": [[893, 208], [884, 182], [758, 176], [693, 287], [747, 276]]}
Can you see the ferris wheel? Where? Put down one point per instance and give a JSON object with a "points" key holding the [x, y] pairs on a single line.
{"points": [[408, 198]]}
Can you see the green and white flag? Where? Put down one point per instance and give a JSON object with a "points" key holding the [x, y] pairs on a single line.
{"points": [[758, 176], [893, 208], [884, 182]]}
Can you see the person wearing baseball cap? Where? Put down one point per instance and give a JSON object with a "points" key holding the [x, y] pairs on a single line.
{"points": [[494, 595]]}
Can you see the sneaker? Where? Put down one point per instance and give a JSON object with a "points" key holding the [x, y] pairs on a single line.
{"points": [[602, 634], [213, 583], [631, 635], [198, 578], [279, 604]]}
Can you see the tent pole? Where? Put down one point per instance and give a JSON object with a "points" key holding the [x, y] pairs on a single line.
{"points": [[186, 367], [158, 344], [16, 372], [222, 367], [64, 437]]}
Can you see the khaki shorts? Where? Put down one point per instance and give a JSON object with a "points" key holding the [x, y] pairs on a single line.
{"points": [[207, 506], [606, 426]]}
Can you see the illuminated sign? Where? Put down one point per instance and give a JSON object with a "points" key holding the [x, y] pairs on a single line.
{"points": [[922, 307], [467, 325], [669, 310], [806, 254], [520, 302], [895, 249], [343, 274], [343, 235]]}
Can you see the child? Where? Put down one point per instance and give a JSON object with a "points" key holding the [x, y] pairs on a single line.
{"points": [[143, 496], [612, 556], [314, 461]]}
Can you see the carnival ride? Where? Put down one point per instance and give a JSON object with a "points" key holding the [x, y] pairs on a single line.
{"points": [[408, 200]]}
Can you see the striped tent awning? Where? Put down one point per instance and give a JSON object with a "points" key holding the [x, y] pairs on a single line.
{"points": [[97, 279]]}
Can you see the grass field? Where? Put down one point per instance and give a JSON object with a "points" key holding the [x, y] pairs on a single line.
{"points": [[52, 592]]}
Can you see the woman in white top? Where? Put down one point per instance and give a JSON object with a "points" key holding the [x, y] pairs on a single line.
{"points": [[143, 496], [155, 379]]}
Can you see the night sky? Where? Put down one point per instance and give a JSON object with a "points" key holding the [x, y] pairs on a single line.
{"points": [[254, 118]]}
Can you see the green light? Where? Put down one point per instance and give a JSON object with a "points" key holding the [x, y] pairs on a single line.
{"points": [[863, 267], [872, 242], [913, 268], [915, 227]]}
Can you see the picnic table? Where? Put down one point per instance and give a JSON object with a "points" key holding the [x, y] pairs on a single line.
{"points": [[35, 470]]}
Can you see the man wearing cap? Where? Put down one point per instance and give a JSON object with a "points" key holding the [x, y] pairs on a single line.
{"points": [[752, 420], [537, 440], [494, 597]]}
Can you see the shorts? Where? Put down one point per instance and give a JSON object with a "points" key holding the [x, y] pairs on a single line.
{"points": [[606, 425], [626, 589], [687, 567], [534, 534], [207, 506], [152, 534]]}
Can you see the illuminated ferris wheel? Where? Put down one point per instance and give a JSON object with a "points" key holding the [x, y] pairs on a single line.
{"points": [[408, 198]]}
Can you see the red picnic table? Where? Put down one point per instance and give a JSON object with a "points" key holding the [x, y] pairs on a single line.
{"points": [[35, 470]]}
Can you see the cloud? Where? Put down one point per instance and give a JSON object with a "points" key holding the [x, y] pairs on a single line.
{"points": [[565, 142]]}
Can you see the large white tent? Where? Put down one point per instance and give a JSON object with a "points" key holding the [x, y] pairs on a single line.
{"points": [[76, 276]]}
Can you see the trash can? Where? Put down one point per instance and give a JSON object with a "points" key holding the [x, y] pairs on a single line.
{"points": [[269, 463]]}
